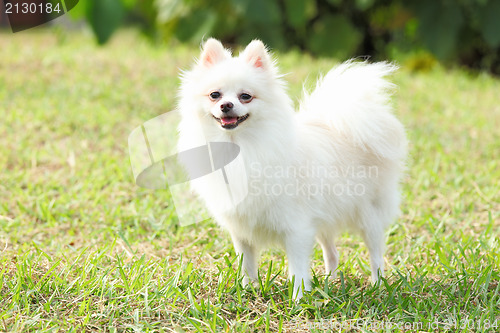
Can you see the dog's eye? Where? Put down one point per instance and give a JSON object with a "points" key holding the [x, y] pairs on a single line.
{"points": [[246, 97], [215, 95]]}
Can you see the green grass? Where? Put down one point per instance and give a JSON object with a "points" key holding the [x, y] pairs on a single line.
{"points": [[84, 249]]}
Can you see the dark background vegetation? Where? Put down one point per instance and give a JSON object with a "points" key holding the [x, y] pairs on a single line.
{"points": [[463, 32]]}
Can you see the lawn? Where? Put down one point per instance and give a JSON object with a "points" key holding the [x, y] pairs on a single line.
{"points": [[85, 249]]}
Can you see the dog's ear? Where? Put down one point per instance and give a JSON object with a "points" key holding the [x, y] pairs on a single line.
{"points": [[256, 55], [213, 52]]}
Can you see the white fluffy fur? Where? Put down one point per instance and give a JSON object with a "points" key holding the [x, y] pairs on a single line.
{"points": [[344, 127]]}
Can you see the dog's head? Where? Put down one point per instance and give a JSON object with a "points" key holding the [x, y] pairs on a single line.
{"points": [[231, 92]]}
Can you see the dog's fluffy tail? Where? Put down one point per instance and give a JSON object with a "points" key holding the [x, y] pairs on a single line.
{"points": [[354, 100]]}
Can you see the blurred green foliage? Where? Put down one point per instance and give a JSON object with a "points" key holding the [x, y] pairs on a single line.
{"points": [[106, 16], [459, 31]]}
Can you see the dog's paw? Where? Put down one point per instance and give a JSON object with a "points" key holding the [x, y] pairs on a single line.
{"points": [[246, 281], [332, 275]]}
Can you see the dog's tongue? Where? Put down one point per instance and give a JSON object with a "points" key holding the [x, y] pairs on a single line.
{"points": [[228, 120]]}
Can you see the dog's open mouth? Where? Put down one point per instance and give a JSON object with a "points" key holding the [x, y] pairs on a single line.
{"points": [[231, 122]]}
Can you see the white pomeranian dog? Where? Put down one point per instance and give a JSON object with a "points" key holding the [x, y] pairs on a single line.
{"points": [[310, 175]]}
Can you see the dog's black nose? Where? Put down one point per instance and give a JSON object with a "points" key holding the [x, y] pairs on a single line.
{"points": [[226, 107]]}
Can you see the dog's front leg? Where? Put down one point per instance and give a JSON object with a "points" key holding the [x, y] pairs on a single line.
{"points": [[249, 253], [298, 248]]}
